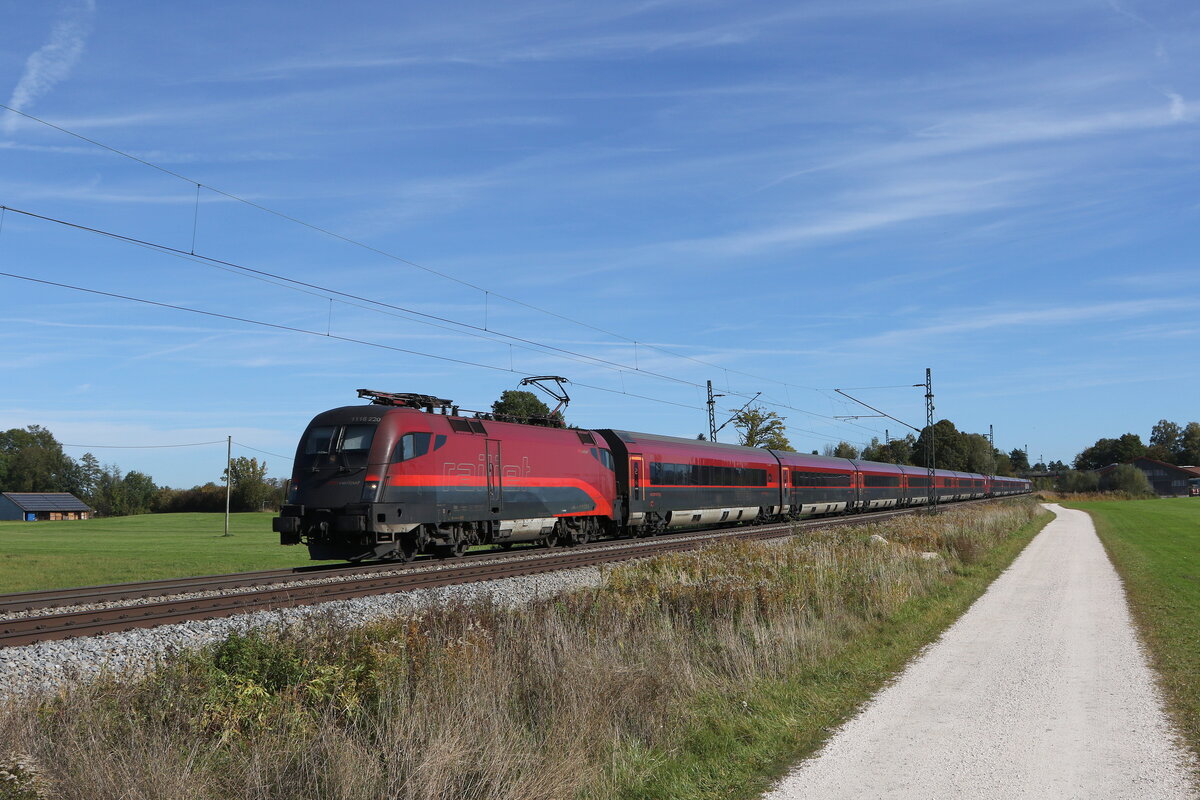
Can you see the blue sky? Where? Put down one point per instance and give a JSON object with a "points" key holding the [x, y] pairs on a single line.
{"points": [[784, 198]]}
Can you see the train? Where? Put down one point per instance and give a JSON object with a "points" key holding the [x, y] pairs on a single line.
{"points": [[408, 474]]}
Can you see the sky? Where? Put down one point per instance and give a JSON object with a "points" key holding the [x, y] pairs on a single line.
{"points": [[268, 206]]}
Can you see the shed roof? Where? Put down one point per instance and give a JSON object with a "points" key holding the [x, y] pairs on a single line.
{"points": [[47, 501]]}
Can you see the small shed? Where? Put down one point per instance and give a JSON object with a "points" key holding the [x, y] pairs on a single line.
{"points": [[32, 506]]}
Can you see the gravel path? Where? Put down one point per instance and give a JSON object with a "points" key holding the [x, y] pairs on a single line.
{"points": [[1041, 690]]}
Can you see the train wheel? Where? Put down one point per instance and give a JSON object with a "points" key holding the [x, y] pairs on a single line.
{"points": [[410, 545]]}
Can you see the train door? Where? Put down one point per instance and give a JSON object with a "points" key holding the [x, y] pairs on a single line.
{"points": [[636, 478], [494, 474], [785, 485]]}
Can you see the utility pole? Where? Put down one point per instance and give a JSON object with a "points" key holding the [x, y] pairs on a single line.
{"points": [[712, 413], [228, 478], [992, 442], [887, 439], [930, 451]]}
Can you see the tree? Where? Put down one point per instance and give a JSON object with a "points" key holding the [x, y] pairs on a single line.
{"points": [[88, 473], [978, 454], [876, 451], [118, 495], [1074, 481], [1127, 478], [32, 460], [841, 450], [1166, 441], [1121, 450], [1189, 445], [758, 428], [949, 448], [895, 451], [1019, 459], [518, 405], [249, 487], [140, 492]]}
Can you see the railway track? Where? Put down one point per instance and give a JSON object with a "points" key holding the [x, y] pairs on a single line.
{"points": [[262, 592]]}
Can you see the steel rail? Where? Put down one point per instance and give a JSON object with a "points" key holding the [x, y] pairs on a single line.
{"points": [[411, 576]]}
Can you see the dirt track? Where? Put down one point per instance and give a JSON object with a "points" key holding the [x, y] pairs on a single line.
{"points": [[1041, 690]]}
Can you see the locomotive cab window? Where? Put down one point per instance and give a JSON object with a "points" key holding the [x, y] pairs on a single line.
{"points": [[357, 437], [333, 438], [345, 445], [320, 440]]}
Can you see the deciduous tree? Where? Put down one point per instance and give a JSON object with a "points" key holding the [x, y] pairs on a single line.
{"points": [[1189, 445], [759, 428], [1166, 441], [841, 450], [32, 460], [520, 405], [249, 487]]}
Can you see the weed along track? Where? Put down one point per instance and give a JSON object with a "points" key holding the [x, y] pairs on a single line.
{"points": [[226, 595]]}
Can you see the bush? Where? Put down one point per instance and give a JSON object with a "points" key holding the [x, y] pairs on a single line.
{"points": [[1074, 481], [1129, 479]]}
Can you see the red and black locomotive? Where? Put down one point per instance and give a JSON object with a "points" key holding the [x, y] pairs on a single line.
{"points": [[408, 474]]}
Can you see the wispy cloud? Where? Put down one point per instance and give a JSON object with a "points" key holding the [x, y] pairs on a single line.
{"points": [[54, 60], [976, 320]]}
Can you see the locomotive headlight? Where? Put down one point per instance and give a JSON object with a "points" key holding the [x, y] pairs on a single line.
{"points": [[369, 490], [293, 492]]}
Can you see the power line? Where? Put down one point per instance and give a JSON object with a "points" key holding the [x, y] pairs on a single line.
{"points": [[139, 446], [461, 327], [347, 339], [264, 452], [470, 329], [377, 251], [292, 329]]}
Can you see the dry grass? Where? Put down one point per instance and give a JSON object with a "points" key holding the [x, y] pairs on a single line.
{"points": [[570, 696], [1049, 496]]}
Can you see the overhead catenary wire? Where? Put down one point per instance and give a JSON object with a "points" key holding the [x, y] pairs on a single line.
{"points": [[380, 252], [293, 329], [378, 306], [347, 339]]}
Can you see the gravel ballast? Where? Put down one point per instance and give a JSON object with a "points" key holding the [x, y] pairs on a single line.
{"points": [[47, 666], [1040, 690]]}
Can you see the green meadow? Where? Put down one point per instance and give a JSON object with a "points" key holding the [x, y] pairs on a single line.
{"points": [[55, 555]]}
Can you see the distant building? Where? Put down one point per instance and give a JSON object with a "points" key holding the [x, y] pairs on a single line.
{"points": [[32, 506], [1168, 480]]}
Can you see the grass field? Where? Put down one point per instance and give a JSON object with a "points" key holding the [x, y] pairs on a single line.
{"points": [[54, 555], [1155, 545]]}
